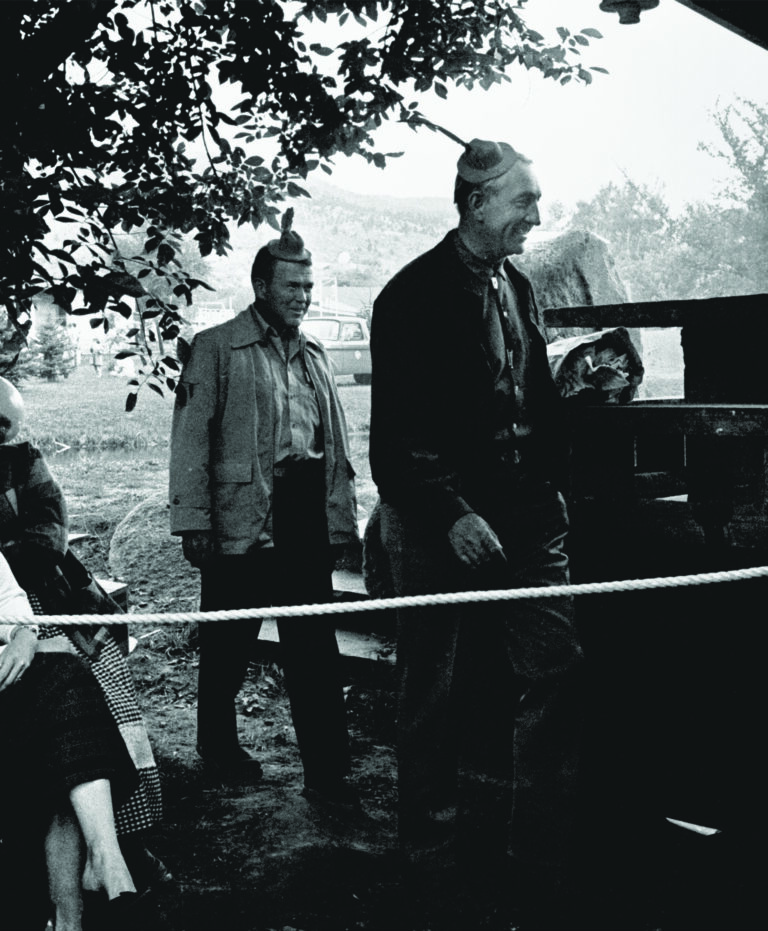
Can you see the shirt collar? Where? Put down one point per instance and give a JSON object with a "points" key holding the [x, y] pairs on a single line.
{"points": [[267, 331]]}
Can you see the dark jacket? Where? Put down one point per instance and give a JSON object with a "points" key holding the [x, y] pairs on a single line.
{"points": [[432, 445], [34, 535], [34, 529]]}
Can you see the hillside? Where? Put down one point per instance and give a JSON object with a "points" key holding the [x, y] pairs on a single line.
{"points": [[358, 241]]}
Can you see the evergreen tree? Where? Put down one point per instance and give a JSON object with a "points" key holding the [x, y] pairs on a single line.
{"points": [[50, 356]]}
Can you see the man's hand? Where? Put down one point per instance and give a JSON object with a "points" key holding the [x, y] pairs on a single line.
{"points": [[197, 546], [17, 657], [473, 541]]}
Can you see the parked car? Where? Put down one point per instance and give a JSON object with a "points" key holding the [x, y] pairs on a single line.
{"points": [[347, 342]]}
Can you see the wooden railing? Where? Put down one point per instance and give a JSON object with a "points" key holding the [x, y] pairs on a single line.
{"points": [[731, 326], [708, 447], [738, 309]]}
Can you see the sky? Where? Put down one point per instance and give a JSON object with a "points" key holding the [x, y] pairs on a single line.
{"points": [[643, 120]]}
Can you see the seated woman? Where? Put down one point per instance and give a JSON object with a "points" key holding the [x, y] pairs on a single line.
{"points": [[34, 533], [64, 766]]}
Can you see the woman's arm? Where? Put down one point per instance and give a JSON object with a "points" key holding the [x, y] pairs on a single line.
{"points": [[17, 657], [21, 638]]}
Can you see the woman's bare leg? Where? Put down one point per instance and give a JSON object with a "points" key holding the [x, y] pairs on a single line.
{"points": [[64, 856], [105, 867]]}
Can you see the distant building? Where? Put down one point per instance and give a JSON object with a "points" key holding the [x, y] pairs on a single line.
{"points": [[204, 314]]}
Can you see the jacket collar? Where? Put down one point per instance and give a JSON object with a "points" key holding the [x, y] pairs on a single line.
{"points": [[450, 252], [249, 327]]}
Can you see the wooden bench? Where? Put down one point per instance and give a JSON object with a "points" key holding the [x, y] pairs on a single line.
{"points": [[668, 487], [363, 653]]}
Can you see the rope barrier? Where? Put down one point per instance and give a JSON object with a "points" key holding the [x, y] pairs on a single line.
{"points": [[406, 601]]}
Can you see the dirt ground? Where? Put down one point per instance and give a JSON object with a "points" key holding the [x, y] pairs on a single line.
{"points": [[262, 857]]}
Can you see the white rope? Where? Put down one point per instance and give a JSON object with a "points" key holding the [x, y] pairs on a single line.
{"points": [[408, 601]]}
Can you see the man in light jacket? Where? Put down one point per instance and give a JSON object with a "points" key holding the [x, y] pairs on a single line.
{"points": [[262, 494]]}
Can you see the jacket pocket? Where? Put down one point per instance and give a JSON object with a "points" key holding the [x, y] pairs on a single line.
{"points": [[240, 472]]}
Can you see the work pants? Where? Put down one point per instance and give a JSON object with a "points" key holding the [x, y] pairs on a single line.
{"points": [[296, 570], [495, 682]]}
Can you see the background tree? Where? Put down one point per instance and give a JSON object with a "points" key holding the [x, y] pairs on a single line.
{"points": [[50, 355], [13, 342], [737, 224], [709, 249], [105, 101], [635, 220]]}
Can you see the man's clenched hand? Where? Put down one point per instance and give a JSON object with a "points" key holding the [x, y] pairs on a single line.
{"points": [[197, 546], [473, 541]]}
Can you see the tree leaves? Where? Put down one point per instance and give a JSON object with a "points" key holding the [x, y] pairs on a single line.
{"points": [[110, 133]]}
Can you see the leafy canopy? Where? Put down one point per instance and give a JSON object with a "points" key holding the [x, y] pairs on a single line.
{"points": [[709, 249], [119, 118]]}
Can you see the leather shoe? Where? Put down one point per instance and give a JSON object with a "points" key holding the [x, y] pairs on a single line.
{"points": [[336, 792], [124, 913], [240, 768]]}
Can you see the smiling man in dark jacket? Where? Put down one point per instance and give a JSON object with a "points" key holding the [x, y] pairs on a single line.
{"points": [[467, 452]]}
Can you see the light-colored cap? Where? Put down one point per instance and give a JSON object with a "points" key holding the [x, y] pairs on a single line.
{"points": [[483, 160]]}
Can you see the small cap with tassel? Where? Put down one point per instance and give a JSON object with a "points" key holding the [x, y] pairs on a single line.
{"points": [[290, 246], [483, 160]]}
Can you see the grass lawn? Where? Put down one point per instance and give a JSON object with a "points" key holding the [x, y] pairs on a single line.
{"points": [[108, 461], [87, 412]]}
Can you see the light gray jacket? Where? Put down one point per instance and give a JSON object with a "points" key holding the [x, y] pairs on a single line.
{"points": [[223, 439]]}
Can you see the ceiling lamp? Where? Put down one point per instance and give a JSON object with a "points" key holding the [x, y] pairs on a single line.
{"points": [[629, 10]]}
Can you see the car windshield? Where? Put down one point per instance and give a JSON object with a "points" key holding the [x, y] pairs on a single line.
{"points": [[351, 331], [322, 329]]}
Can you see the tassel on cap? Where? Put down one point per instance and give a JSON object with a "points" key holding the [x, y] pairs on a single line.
{"points": [[290, 246], [483, 160]]}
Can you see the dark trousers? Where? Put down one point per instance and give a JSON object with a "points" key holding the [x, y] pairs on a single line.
{"points": [[490, 685], [296, 570]]}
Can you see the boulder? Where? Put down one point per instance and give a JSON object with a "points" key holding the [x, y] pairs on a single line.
{"points": [[144, 554], [570, 270]]}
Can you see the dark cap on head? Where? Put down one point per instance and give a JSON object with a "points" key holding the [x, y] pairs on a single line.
{"points": [[483, 160], [290, 246]]}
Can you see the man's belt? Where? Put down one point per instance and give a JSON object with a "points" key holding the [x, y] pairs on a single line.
{"points": [[289, 468]]}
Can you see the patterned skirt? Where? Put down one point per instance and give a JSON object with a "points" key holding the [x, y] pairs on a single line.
{"points": [[110, 669]]}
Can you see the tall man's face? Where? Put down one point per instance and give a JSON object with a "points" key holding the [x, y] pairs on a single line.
{"points": [[289, 294], [508, 212]]}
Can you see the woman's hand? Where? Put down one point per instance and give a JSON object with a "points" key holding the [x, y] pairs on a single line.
{"points": [[17, 657]]}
